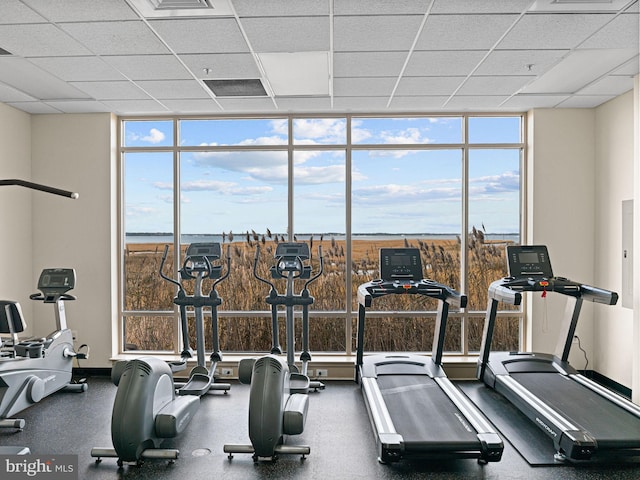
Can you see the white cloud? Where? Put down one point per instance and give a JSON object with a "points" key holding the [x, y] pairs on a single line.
{"points": [[154, 136]]}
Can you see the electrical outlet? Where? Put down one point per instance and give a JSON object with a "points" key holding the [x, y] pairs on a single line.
{"points": [[320, 372], [227, 372]]}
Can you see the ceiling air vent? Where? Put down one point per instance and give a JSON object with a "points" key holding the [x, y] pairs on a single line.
{"points": [[251, 87], [180, 4]]}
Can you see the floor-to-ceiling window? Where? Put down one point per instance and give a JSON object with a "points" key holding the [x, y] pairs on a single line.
{"points": [[448, 185]]}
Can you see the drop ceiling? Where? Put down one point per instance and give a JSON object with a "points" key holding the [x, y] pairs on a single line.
{"points": [[159, 57]]}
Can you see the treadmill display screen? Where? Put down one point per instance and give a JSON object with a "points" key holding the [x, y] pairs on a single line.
{"points": [[400, 264], [528, 261]]}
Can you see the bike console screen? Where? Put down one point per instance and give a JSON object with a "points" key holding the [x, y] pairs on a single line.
{"points": [[529, 261]]}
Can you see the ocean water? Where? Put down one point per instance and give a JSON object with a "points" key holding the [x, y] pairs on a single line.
{"points": [[194, 238]]}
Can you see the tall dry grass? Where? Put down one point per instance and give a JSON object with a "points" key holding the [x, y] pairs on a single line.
{"points": [[145, 290]]}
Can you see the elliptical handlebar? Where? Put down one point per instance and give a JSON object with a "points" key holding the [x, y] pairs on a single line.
{"points": [[167, 278], [228, 269], [255, 270], [317, 275], [196, 263]]}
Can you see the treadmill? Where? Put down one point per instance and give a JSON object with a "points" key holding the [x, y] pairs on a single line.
{"points": [[580, 416], [413, 407]]}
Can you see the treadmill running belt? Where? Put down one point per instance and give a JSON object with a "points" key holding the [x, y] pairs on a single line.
{"points": [[424, 415], [612, 426]]}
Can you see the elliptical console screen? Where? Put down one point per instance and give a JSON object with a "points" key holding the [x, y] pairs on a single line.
{"points": [[211, 250], [400, 264], [528, 261]]}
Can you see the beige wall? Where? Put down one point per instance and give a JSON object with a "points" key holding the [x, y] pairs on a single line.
{"points": [[561, 177], [77, 152], [614, 183], [16, 281]]}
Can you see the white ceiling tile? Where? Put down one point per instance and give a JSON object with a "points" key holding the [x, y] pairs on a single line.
{"points": [[448, 64], [78, 68], [135, 107], [552, 31], [484, 6], [373, 33], [79, 106], [622, 32], [463, 32], [32, 80], [476, 102], [34, 107], [577, 6], [585, 101], [82, 10], [222, 65], [303, 104], [632, 67], [149, 67], [14, 11], [494, 85], [280, 8], [202, 35], [288, 34], [519, 62], [416, 86], [295, 74], [380, 7], [363, 87], [10, 94], [247, 104], [578, 69], [111, 90], [534, 101], [187, 105], [368, 64], [360, 104], [116, 38], [611, 85], [173, 89], [423, 103], [39, 40]]}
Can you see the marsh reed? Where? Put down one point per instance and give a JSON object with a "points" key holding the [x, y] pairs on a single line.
{"points": [[241, 292]]}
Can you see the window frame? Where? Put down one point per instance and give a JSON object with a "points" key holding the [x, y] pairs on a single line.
{"points": [[463, 315]]}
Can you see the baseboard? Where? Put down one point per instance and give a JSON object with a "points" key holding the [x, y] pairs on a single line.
{"points": [[607, 382]]}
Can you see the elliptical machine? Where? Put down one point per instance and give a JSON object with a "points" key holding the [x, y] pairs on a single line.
{"points": [[33, 370], [148, 408], [278, 400]]}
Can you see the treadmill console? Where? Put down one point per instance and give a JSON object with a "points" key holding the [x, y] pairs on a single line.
{"points": [[400, 264], [528, 261]]}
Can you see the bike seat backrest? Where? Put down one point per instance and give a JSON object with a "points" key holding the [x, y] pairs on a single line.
{"points": [[11, 319]]}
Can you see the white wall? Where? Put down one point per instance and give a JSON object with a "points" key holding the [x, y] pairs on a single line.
{"points": [[16, 280], [561, 178], [77, 152], [613, 326]]}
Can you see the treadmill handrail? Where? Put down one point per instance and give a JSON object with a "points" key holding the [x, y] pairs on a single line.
{"points": [[429, 288], [507, 289]]}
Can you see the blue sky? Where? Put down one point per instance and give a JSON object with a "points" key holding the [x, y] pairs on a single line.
{"points": [[393, 190]]}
